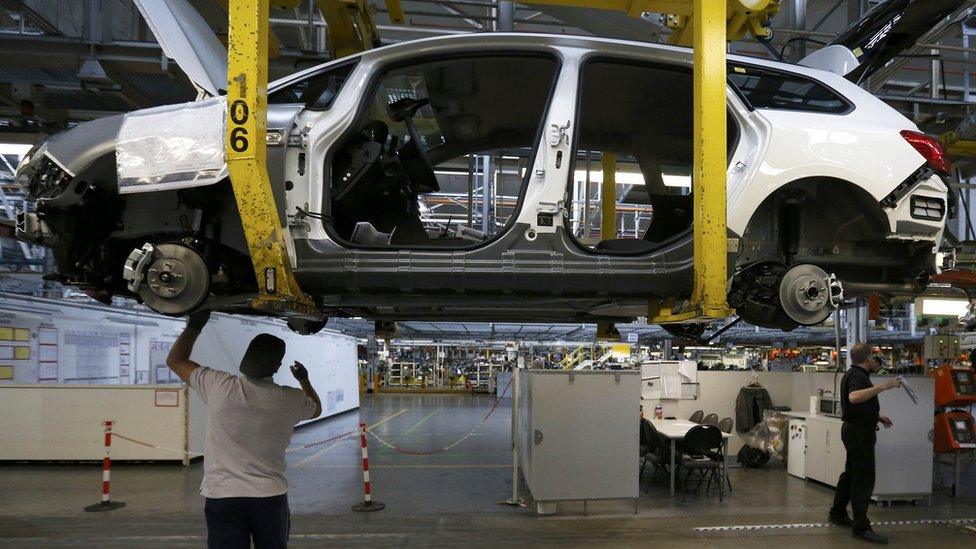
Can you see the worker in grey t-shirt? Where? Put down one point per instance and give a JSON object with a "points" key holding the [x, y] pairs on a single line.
{"points": [[250, 420]]}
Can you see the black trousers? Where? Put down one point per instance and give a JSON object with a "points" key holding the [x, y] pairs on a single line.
{"points": [[233, 522], [856, 483]]}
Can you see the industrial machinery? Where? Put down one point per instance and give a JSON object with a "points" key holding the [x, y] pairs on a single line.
{"points": [[954, 431], [954, 386]]}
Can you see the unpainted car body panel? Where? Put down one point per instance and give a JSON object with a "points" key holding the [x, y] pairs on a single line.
{"points": [[538, 271]]}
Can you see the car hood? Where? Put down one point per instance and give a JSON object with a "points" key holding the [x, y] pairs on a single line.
{"points": [[186, 37]]}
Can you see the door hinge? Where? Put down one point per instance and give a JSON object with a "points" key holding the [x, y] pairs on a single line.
{"points": [[304, 134], [559, 133]]}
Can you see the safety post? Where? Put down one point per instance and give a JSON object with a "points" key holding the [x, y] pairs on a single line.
{"points": [[515, 500], [368, 504], [106, 504]]}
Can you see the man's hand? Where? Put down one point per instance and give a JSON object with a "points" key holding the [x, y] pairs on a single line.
{"points": [[298, 370], [892, 383], [198, 319], [886, 421], [178, 359]]}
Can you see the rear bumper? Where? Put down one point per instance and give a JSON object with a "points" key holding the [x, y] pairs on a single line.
{"points": [[920, 212]]}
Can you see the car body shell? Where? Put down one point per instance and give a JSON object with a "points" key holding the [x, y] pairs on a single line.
{"points": [[534, 271]]}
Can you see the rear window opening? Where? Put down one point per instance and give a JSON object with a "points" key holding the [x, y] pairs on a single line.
{"points": [[634, 119], [769, 89], [438, 157]]}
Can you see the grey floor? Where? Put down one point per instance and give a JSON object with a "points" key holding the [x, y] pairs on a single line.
{"points": [[444, 499]]}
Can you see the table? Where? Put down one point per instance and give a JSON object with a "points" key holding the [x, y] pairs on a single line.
{"points": [[675, 430]]}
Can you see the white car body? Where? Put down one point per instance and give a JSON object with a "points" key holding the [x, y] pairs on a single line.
{"points": [[776, 148]]}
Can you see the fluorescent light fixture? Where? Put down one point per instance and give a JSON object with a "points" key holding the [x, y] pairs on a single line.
{"points": [[631, 178], [676, 180], [20, 149], [940, 306]]}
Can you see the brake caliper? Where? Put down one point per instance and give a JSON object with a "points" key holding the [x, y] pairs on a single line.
{"points": [[134, 271]]}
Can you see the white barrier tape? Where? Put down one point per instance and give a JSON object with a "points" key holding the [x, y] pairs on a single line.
{"points": [[163, 448], [754, 527]]}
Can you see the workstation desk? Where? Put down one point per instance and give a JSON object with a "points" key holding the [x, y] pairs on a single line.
{"points": [[675, 430]]}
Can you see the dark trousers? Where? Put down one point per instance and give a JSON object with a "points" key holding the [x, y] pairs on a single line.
{"points": [[233, 522], [856, 483]]}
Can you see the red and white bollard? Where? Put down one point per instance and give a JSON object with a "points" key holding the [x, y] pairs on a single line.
{"points": [[368, 504], [106, 504]]}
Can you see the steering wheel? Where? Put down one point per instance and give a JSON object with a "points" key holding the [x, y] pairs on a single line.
{"points": [[412, 154]]}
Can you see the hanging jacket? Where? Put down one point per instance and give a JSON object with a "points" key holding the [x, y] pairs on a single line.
{"points": [[749, 406]]}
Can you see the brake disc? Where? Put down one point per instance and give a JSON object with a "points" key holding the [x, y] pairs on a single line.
{"points": [[177, 280], [805, 294]]}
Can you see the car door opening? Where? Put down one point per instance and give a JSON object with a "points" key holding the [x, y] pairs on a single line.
{"points": [[639, 116], [438, 157]]}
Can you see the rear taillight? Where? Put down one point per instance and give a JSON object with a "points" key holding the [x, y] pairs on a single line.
{"points": [[932, 149]]}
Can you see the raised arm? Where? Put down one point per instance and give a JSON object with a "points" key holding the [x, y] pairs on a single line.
{"points": [[301, 375], [861, 395], [178, 359]]}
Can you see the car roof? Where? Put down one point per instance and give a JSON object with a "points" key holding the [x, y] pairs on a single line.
{"points": [[541, 41]]}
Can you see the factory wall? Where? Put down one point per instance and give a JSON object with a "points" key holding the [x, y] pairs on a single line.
{"points": [[49, 343]]}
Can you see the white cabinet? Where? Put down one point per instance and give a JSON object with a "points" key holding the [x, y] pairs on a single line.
{"points": [[797, 449], [836, 453], [825, 450]]}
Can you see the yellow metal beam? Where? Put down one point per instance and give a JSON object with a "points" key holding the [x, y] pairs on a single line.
{"points": [[958, 147], [351, 24], [394, 9], [710, 163], [608, 197], [708, 299], [741, 16], [247, 97]]}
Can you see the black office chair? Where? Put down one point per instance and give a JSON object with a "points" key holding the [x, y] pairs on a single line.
{"points": [[726, 426], [701, 450], [697, 417], [710, 419], [653, 449]]}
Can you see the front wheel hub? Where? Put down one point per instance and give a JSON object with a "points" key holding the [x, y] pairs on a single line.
{"points": [[176, 281]]}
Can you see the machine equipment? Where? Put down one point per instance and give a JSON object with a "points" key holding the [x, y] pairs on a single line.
{"points": [[955, 431], [954, 386]]}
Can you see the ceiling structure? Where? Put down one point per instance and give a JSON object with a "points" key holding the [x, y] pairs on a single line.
{"points": [[65, 62]]}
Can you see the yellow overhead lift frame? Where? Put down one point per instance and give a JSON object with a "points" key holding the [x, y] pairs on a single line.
{"points": [[247, 118], [279, 292], [706, 25]]}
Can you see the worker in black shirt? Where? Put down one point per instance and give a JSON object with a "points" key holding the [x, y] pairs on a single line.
{"points": [[861, 415]]}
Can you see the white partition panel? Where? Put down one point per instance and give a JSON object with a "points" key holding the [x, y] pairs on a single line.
{"points": [[64, 422], [94, 348]]}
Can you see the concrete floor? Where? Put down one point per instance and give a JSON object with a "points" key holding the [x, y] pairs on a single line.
{"points": [[442, 499]]}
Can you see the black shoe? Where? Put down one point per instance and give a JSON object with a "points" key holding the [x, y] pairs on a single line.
{"points": [[871, 536], [840, 520]]}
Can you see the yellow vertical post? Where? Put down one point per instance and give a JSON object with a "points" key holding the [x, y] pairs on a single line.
{"points": [[709, 175], [247, 117], [608, 197]]}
